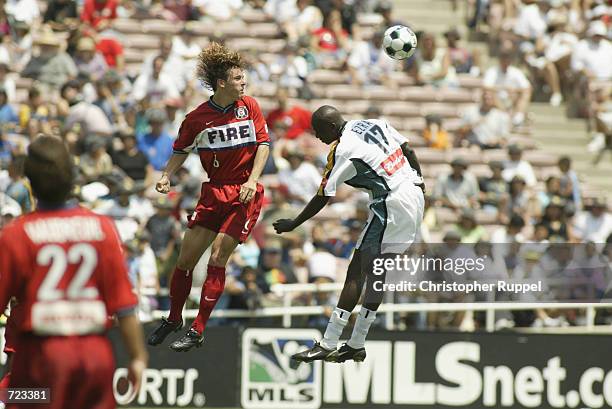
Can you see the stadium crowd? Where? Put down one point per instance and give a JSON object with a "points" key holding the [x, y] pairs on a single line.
{"points": [[79, 71]]}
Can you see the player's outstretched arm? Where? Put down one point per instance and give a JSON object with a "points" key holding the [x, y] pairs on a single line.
{"points": [[131, 332], [312, 208], [174, 164]]}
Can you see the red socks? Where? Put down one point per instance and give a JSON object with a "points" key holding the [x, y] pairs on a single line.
{"points": [[211, 291], [179, 291]]}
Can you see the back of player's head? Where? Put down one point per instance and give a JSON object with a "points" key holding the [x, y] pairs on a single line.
{"points": [[214, 63], [49, 167]]}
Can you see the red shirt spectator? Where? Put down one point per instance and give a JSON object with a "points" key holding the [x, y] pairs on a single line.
{"points": [[294, 119], [327, 39], [99, 13], [112, 50]]}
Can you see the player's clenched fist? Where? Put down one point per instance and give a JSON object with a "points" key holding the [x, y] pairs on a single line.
{"points": [[283, 225], [163, 185], [247, 190]]}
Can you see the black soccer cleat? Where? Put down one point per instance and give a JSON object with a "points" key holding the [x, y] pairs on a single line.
{"points": [[163, 330], [186, 342], [316, 353], [346, 353]]}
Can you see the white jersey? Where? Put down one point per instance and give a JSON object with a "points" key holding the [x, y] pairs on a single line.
{"points": [[368, 156]]}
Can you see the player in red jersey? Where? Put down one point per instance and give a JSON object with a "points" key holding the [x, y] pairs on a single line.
{"points": [[65, 267], [231, 136]]}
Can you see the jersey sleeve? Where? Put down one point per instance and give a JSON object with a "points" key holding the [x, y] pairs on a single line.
{"points": [[117, 291], [261, 128], [7, 272], [186, 140], [339, 169]]}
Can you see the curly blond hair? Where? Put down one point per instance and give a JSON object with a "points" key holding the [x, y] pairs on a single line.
{"points": [[214, 63]]}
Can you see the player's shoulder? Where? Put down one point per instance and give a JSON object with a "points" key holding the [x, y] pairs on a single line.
{"points": [[248, 101]]}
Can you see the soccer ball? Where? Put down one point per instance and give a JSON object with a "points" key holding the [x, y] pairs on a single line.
{"points": [[399, 42]]}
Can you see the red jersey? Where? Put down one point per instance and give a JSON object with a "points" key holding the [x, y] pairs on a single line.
{"points": [[67, 271], [94, 11], [111, 49], [226, 138], [296, 119]]}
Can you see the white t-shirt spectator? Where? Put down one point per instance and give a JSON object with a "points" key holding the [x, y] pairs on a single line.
{"points": [[370, 62], [521, 168], [488, 128], [513, 78], [174, 67], [91, 118], [302, 182], [281, 10], [23, 10], [9, 86], [219, 9], [530, 23], [590, 228], [559, 45], [592, 57], [156, 89]]}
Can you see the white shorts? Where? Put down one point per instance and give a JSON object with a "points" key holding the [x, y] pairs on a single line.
{"points": [[394, 222]]}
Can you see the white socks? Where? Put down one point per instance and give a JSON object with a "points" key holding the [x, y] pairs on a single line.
{"points": [[336, 324], [362, 326]]}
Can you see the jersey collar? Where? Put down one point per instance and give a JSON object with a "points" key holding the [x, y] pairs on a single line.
{"points": [[218, 107]]}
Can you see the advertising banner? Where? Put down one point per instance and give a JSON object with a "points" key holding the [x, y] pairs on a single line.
{"points": [[203, 377]]}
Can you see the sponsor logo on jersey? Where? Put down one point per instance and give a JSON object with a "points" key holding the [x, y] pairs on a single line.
{"points": [[394, 162], [269, 379], [231, 135], [241, 112]]}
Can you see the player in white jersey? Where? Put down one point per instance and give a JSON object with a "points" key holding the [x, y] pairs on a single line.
{"points": [[369, 155]]}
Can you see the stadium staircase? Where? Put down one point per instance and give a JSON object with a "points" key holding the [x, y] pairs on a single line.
{"points": [[551, 129]]}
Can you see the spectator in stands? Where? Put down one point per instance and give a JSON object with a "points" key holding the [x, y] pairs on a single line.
{"points": [[88, 60], [5, 55], [511, 85], [19, 45], [19, 187], [52, 67], [296, 120], [493, 189], [99, 14], [301, 178], [458, 189], [551, 54], [34, 115], [218, 10], [290, 68], [595, 223], [589, 54], [163, 231], [367, 62], [385, 9], [133, 162], [530, 23], [570, 185], [461, 58], [174, 115], [156, 85], [468, 229], [433, 64], [309, 18], [83, 117], [95, 162], [26, 11], [601, 122], [553, 189], [330, 41], [510, 233], [7, 83], [434, 133], [518, 200], [108, 43], [157, 144], [8, 117], [109, 103], [486, 125], [272, 266], [555, 220], [516, 166], [61, 15]]}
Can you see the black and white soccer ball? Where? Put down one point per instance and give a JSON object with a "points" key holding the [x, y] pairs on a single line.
{"points": [[399, 42]]}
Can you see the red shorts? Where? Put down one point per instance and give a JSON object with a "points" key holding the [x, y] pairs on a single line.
{"points": [[220, 210], [78, 371]]}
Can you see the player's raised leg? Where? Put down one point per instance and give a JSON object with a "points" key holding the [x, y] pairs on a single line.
{"points": [[197, 239], [222, 248]]}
